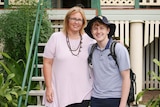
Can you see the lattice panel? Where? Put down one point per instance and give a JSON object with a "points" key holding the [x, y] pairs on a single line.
{"points": [[149, 2], [57, 25], [117, 2], [122, 31], [1, 2], [151, 31], [19, 2]]}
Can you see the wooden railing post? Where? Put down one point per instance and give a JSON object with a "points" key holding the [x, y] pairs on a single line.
{"points": [[49, 3], [97, 5], [136, 5], [136, 51]]}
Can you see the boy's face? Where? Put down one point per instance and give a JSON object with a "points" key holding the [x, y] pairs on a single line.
{"points": [[100, 31]]}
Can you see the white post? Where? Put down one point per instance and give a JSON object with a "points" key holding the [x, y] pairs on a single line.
{"points": [[136, 51]]}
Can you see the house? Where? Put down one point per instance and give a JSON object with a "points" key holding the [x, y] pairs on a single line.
{"points": [[138, 26]]}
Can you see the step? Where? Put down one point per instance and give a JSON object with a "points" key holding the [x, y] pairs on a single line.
{"points": [[57, 26], [35, 106], [39, 65], [36, 92], [40, 54], [38, 78], [41, 44]]}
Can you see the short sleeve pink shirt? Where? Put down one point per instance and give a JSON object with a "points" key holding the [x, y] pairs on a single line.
{"points": [[70, 74]]}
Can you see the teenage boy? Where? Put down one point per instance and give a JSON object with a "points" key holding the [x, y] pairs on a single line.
{"points": [[111, 80]]}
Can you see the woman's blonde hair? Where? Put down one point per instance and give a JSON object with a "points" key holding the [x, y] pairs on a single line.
{"points": [[73, 10]]}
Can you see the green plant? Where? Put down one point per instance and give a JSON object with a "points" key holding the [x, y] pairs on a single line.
{"points": [[17, 67], [139, 96], [8, 92], [17, 24], [17, 28], [12, 66], [153, 102]]}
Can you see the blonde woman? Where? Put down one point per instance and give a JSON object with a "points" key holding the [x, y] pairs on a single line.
{"points": [[65, 68]]}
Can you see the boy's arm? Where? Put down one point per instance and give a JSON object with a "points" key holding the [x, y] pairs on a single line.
{"points": [[125, 87]]}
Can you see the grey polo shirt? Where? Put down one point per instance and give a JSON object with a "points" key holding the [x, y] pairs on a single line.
{"points": [[107, 79]]}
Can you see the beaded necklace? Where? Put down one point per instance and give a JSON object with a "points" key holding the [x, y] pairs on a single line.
{"points": [[78, 47]]}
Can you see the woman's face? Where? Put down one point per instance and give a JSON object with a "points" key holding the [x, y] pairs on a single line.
{"points": [[75, 22]]}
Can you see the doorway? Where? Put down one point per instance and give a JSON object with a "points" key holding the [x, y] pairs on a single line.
{"points": [[71, 3]]}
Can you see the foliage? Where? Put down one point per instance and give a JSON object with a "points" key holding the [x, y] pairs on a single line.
{"points": [[16, 33], [8, 92], [16, 24], [18, 68], [12, 66], [154, 102]]}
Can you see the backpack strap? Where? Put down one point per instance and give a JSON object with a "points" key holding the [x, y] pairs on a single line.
{"points": [[112, 50], [90, 54]]}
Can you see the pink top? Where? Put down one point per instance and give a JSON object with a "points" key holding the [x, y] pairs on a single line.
{"points": [[70, 74]]}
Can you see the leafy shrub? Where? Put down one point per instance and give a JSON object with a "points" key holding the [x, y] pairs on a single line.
{"points": [[8, 92], [16, 24]]}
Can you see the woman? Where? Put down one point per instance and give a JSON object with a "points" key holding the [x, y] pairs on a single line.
{"points": [[65, 68]]}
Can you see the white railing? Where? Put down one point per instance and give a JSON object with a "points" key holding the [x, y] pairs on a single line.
{"points": [[151, 51], [1, 2], [150, 2], [19, 2], [117, 3], [151, 31], [127, 3]]}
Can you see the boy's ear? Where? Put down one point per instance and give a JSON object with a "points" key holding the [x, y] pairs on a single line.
{"points": [[108, 30]]}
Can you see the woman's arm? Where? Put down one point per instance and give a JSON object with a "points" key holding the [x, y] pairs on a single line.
{"points": [[47, 71]]}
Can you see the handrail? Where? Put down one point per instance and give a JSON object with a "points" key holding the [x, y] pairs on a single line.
{"points": [[34, 42], [5, 3]]}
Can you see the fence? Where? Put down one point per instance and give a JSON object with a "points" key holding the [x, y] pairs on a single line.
{"points": [[149, 2], [151, 51], [128, 3]]}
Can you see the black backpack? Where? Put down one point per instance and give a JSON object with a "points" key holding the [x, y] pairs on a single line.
{"points": [[132, 92]]}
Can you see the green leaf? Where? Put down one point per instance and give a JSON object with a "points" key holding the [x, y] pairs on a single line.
{"points": [[14, 104], [154, 75], [5, 67], [139, 95], [5, 55], [27, 44], [14, 93], [156, 62], [4, 104], [1, 80], [12, 66], [8, 97], [10, 76], [22, 93]]}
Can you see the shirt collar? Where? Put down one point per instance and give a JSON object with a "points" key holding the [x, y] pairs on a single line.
{"points": [[108, 44]]}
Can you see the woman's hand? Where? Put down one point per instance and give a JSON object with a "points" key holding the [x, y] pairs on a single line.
{"points": [[49, 95]]}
